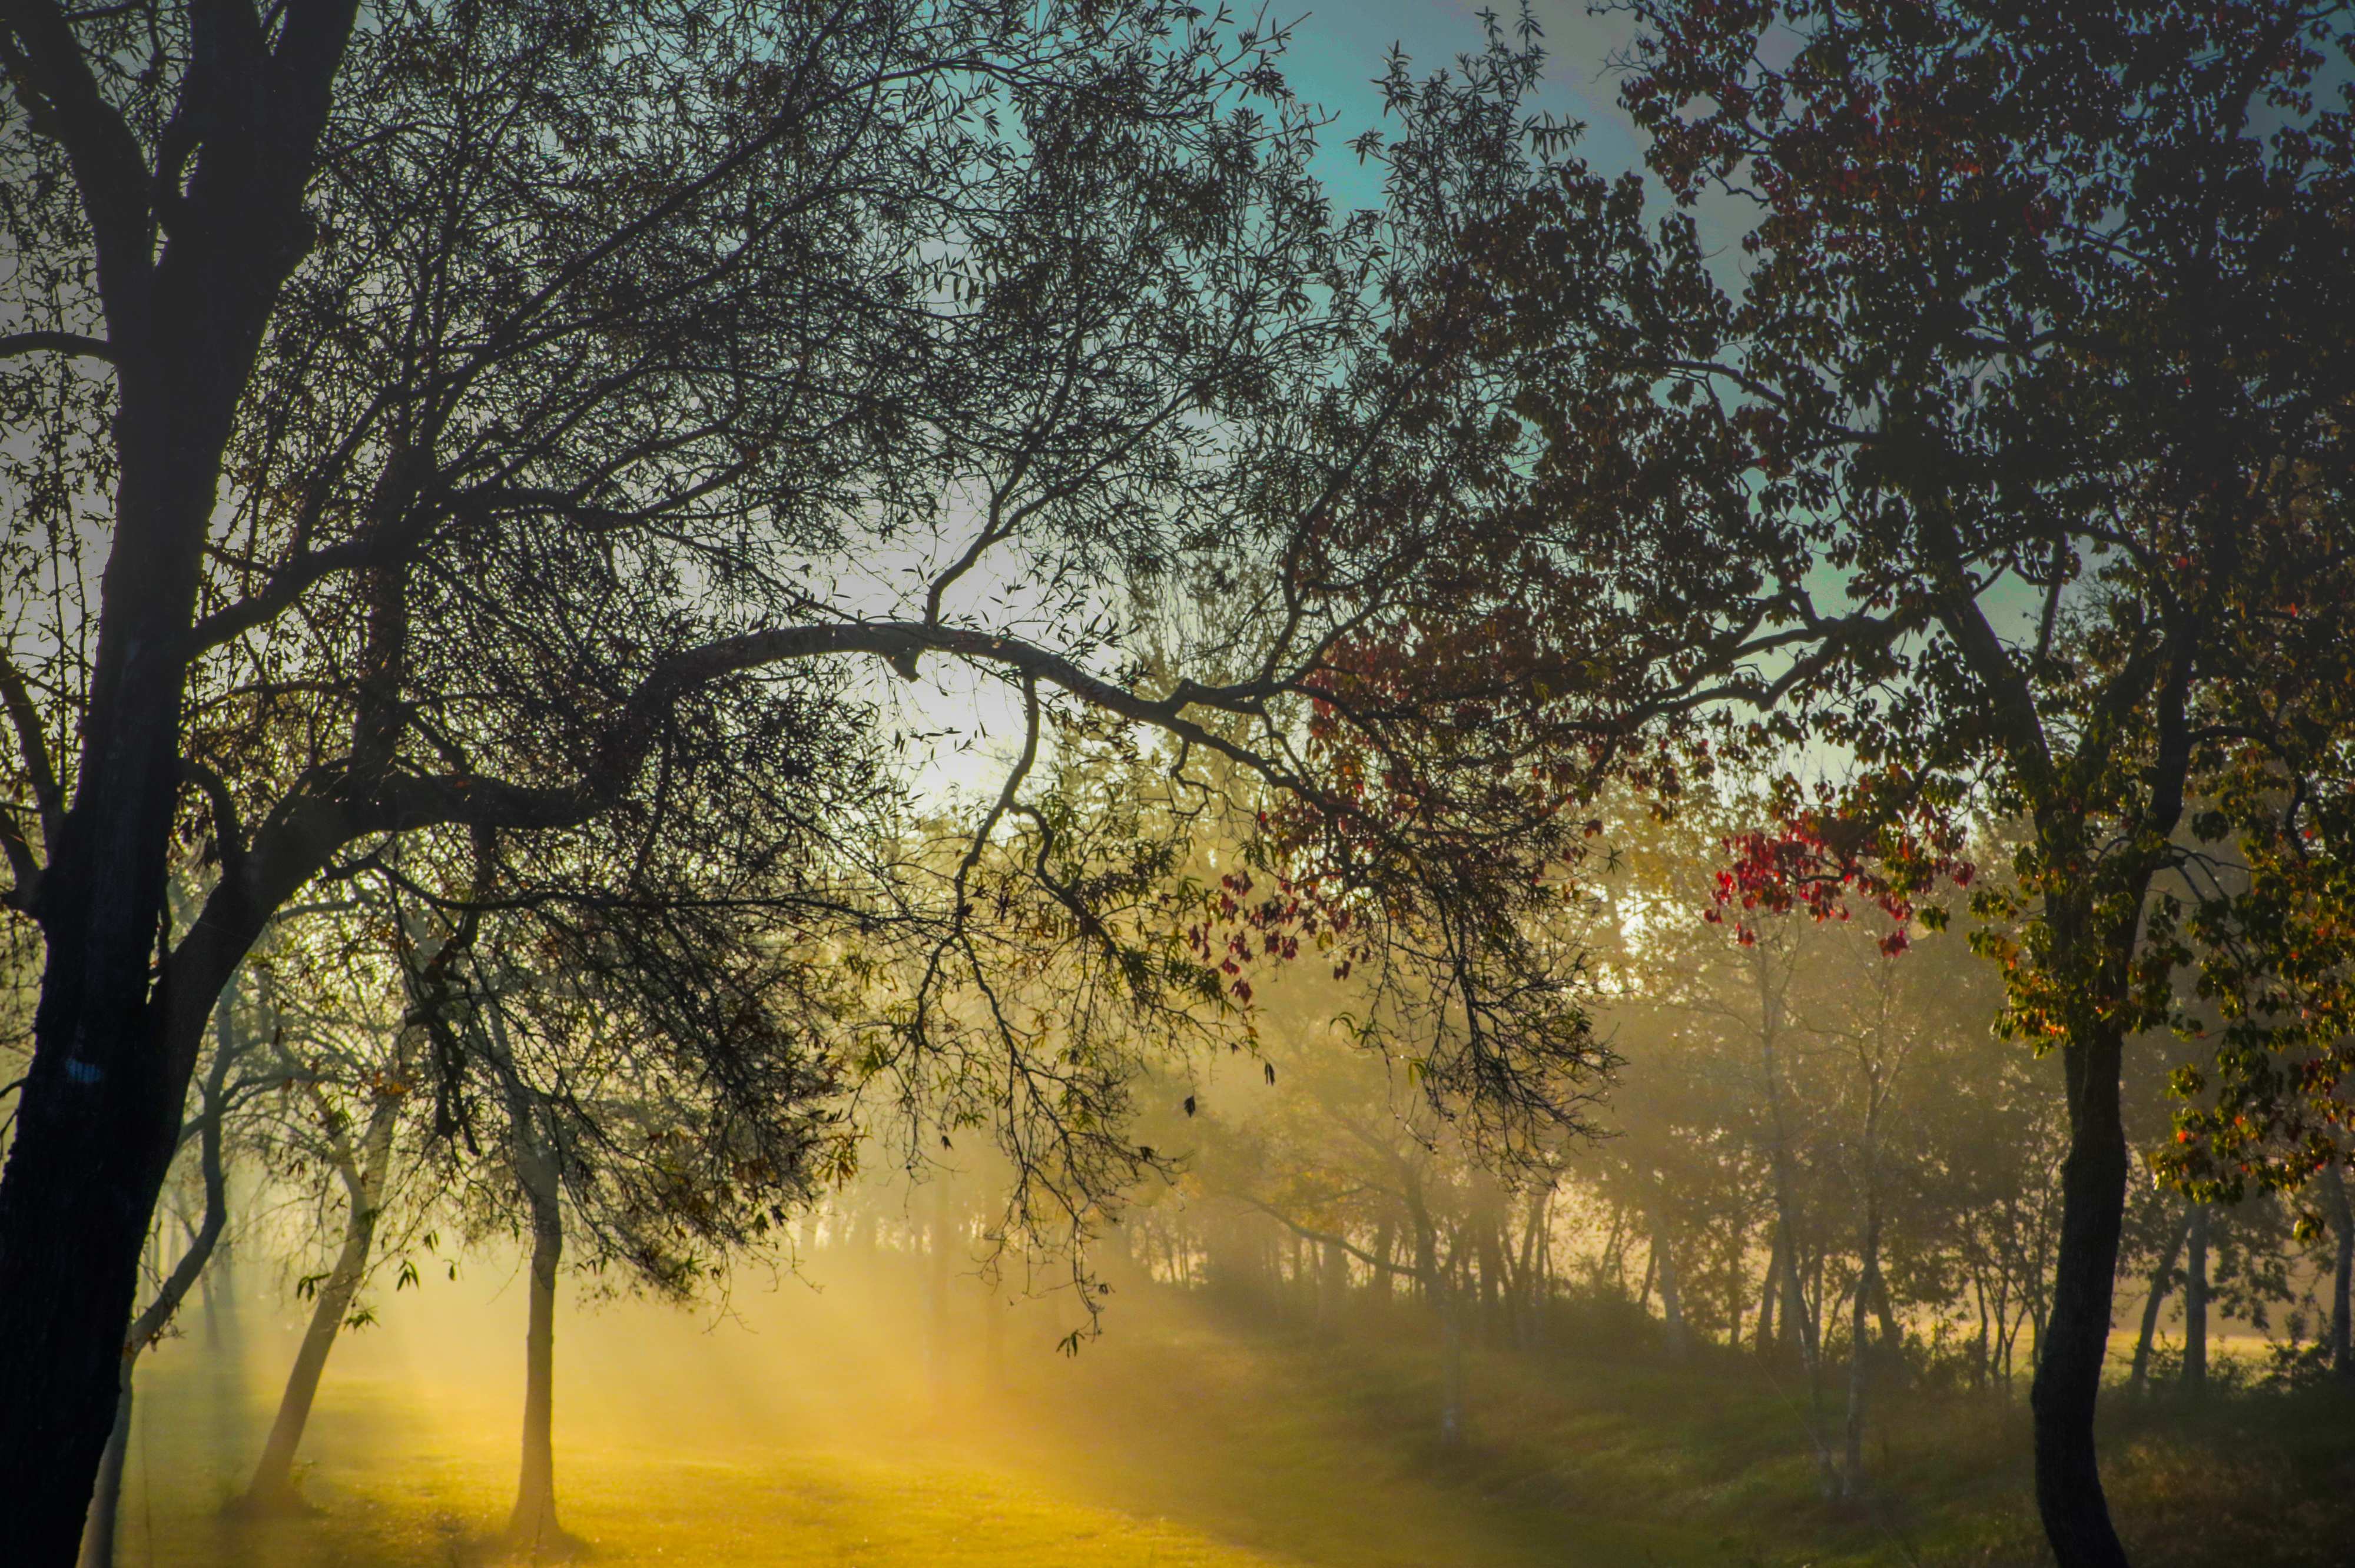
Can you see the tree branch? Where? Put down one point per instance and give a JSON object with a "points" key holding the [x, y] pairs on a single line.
{"points": [[19, 343], [1306, 1233]]}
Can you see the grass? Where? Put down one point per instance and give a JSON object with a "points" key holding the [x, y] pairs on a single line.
{"points": [[635, 1505], [1186, 1436]]}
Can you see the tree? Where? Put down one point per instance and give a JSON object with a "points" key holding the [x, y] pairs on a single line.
{"points": [[218, 1096], [351, 1072], [2037, 360], [494, 419]]}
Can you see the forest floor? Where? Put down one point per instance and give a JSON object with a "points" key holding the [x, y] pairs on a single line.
{"points": [[1183, 1437]]}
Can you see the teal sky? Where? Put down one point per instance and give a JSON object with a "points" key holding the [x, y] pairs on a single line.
{"points": [[1339, 49]]}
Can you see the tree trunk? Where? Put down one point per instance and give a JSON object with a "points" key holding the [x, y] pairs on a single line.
{"points": [[2069, 1374], [106, 1496], [273, 1488], [1868, 1279], [2162, 1281], [1766, 1295], [533, 1523], [1526, 1313], [2342, 1225], [1451, 1359], [1672, 1302], [2195, 1302], [364, 1172], [97, 1123], [98, 1524], [116, 1033]]}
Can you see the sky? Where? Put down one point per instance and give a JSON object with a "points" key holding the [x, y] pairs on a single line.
{"points": [[1336, 54], [1340, 47]]}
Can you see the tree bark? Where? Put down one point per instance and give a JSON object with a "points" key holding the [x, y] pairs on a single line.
{"points": [[116, 1032], [534, 1523], [100, 1524], [1451, 1358], [2195, 1302], [1859, 1351], [2342, 1268], [2069, 1495], [1766, 1294], [106, 1496], [1672, 1302], [2162, 1282], [363, 1172]]}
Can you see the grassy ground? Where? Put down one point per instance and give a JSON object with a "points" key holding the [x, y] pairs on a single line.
{"points": [[1186, 1436]]}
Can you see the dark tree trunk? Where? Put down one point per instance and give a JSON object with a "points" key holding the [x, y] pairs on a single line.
{"points": [[2069, 1373], [95, 1133], [2162, 1281], [1859, 1351], [98, 1526], [1766, 1295], [1488, 1244], [115, 1034], [2342, 1267], [2195, 1301]]}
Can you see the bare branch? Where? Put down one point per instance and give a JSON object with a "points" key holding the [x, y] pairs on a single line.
{"points": [[21, 343]]}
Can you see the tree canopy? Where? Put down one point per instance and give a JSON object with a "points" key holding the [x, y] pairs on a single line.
{"points": [[458, 446], [2009, 460]]}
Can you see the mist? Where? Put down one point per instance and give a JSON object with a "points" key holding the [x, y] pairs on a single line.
{"points": [[1780, 1290]]}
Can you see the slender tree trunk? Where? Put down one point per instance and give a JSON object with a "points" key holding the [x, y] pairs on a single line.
{"points": [[2162, 1281], [533, 1523], [1451, 1357], [1524, 1303], [1737, 1289], [1333, 1288], [2069, 1373], [1672, 1305], [106, 1496], [2342, 1267], [1816, 1305], [2195, 1302], [1766, 1295], [364, 1172], [1489, 1252], [1859, 1349], [273, 1488]]}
